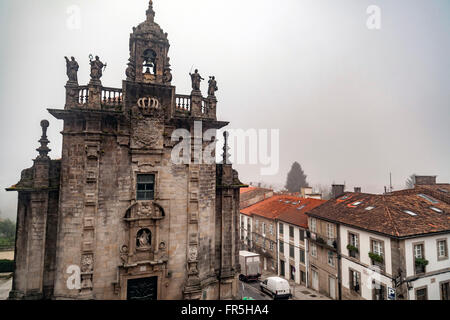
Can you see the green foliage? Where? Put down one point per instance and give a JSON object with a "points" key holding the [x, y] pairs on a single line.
{"points": [[7, 229], [7, 243], [296, 178], [6, 266], [421, 262], [376, 257], [352, 248]]}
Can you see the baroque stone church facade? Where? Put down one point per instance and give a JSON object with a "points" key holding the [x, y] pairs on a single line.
{"points": [[115, 218]]}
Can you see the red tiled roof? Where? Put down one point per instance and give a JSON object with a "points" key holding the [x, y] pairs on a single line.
{"points": [[439, 191], [388, 215], [284, 208], [248, 189]]}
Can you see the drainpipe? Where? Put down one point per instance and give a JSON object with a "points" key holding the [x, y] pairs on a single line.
{"points": [[338, 242], [307, 260]]}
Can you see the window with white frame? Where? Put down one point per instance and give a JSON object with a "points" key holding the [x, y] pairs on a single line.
{"points": [[313, 250], [302, 235], [377, 247], [330, 258], [281, 228], [271, 228], [313, 225], [330, 231], [418, 251], [302, 256], [442, 249], [419, 257], [263, 228]]}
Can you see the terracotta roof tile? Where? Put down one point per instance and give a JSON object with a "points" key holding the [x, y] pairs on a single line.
{"points": [[284, 208], [389, 214]]}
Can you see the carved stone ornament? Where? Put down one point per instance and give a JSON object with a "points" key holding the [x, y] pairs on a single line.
{"points": [[87, 263], [148, 134], [145, 209], [124, 254], [193, 254], [148, 103]]}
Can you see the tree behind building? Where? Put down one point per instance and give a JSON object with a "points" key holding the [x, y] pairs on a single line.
{"points": [[296, 178]]}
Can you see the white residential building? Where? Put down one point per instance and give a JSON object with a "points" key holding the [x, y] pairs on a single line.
{"points": [[393, 246]]}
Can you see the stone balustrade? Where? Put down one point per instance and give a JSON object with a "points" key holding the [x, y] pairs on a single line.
{"points": [[96, 97], [182, 103]]}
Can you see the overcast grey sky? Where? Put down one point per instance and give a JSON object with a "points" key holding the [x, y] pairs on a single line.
{"points": [[351, 104]]}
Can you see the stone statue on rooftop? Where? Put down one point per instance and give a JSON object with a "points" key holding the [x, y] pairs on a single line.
{"points": [[196, 79], [72, 69], [96, 68], [212, 86]]}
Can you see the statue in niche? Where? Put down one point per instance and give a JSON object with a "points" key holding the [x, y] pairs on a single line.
{"points": [[96, 68], [72, 69], [212, 86], [143, 239], [196, 80]]}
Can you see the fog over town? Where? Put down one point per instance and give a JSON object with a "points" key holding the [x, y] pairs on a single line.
{"points": [[352, 105]]}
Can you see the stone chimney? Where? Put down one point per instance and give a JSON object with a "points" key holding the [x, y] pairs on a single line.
{"points": [[425, 180], [337, 190], [357, 189]]}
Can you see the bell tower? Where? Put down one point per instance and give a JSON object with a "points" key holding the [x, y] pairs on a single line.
{"points": [[149, 47]]}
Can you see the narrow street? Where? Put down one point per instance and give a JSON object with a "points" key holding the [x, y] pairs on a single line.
{"points": [[252, 290]]}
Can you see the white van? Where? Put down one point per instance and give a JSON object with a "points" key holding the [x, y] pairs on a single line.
{"points": [[277, 287]]}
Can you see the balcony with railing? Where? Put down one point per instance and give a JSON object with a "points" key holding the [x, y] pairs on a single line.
{"points": [[95, 98], [196, 106], [323, 241]]}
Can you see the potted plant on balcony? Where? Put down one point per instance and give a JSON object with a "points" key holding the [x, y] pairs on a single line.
{"points": [[352, 248], [420, 265], [421, 262], [376, 257]]}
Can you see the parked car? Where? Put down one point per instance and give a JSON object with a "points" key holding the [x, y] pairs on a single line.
{"points": [[250, 266], [277, 287]]}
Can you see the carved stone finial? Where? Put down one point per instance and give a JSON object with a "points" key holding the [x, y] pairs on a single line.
{"points": [[150, 12], [43, 149], [226, 156]]}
